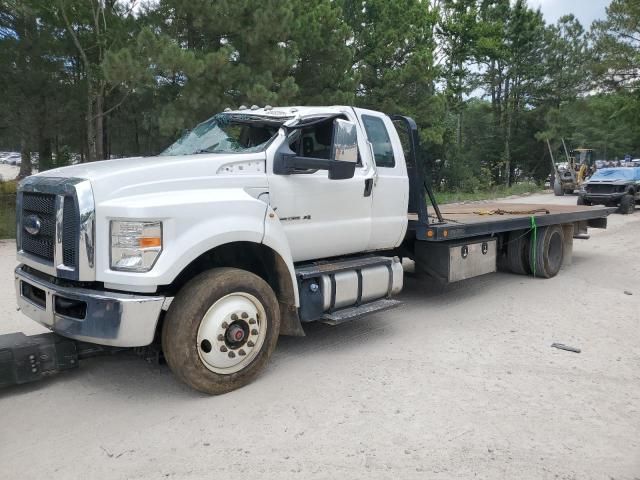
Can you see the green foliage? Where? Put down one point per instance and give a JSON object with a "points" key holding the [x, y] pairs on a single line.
{"points": [[394, 57], [486, 80], [617, 46], [456, 196]]}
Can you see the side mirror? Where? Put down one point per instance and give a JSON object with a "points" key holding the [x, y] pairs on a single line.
{"points": [[344, 151], [342, 163]]}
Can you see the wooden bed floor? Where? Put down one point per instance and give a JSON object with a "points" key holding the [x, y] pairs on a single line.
{"points": [[471, 213]]}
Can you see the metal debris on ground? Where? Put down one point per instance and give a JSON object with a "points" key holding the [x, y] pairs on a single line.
{"points": [[562, 346]]}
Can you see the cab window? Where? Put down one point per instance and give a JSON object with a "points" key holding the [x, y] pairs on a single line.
{"points": [[379, 137], [315, 141]]}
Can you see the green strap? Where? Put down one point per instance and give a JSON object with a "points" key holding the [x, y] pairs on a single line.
{"points": [[534, 248]]}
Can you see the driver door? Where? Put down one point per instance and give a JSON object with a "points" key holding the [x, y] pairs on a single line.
{"points": [[321, 217]]}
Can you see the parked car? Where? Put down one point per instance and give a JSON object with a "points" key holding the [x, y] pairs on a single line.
{"points": [[612, 186], [14, 159]]}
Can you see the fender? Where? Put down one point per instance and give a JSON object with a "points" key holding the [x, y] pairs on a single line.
{"points": [[193, 222], [275, 238]]}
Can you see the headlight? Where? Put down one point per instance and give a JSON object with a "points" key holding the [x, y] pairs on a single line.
{"points": [[135, 246]]}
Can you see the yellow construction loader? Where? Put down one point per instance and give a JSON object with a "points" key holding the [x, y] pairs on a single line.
{"points": [[567, 177]]}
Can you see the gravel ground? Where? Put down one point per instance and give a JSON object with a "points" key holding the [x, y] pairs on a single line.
{"points": [[456, 383]]}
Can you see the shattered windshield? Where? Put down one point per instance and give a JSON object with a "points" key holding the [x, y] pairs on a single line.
{"points": [[622, 173], [227, 133]]}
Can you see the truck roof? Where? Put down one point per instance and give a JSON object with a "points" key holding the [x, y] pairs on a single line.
{"points": [[289, 112]]}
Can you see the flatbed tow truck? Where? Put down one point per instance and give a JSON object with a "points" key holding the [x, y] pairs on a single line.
{"points": [[250, 226]]}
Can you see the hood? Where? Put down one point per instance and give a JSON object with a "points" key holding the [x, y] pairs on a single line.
{"points": [[615, 176], [139, 175], [609, 182]]}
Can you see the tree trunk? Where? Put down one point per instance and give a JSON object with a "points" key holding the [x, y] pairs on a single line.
{"points": [[45, 161], [25, 157], [91, 137], [507, 134], [136, 134], [99, 125]]}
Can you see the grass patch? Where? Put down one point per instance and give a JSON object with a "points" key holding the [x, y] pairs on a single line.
{"points": [[7, 215], [490, 194], [9, 187]]}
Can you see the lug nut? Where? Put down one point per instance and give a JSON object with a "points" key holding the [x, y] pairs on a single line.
{"points": [[223, 348], [254, 332], [220, 338], [245, 315], [242, 353], [250, 343], [232, 355], [252, 321], [225, 325], [234, 317]]}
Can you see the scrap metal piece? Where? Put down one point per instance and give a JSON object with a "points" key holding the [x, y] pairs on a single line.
{"points": [[562, 346]]}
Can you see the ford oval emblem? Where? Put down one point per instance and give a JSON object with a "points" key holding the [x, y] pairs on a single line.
{"points": [[32, 224]]}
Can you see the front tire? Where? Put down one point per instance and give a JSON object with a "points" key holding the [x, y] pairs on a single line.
{"points": [[220, 330], [557, 189], [627, 204]]}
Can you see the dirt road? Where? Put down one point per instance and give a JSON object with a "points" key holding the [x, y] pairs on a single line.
{"points": [[459, 383]]}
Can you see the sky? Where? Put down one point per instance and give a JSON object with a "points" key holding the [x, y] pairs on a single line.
{"points": [[585, 10]]}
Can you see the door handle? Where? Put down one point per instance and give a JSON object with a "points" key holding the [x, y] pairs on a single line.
{"points": [[368, 186]]}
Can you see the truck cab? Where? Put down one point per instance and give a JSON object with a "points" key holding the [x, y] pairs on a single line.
{"points": [[210, 247]]}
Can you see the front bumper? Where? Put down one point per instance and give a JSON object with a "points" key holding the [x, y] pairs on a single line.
{"points": [[95, 316], [602, 198]]}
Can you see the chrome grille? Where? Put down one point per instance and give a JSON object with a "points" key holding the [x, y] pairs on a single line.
{"points": [[44, 207], [65, 211], [70, 221]]}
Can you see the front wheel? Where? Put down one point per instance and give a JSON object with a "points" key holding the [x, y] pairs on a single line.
{"points": [[221, 329], [627, 204], [557, 188]]}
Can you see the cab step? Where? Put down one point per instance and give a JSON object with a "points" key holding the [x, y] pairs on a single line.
{"points": [[352, 313]]}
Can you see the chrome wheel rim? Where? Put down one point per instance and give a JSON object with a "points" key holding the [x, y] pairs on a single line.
{"points": [[231, 333]]}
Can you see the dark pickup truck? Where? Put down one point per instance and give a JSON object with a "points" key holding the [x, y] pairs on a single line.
{"points": [[612, 187]]}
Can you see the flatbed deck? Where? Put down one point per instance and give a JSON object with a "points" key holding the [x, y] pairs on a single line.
{"points": [[462, 220]]}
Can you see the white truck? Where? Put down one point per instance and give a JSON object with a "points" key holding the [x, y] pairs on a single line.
{"points": [[252, 224]]}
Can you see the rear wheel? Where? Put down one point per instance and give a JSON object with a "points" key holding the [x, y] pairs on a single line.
{"points": [[518, 252], [547, 254], [221, 329], [627, 204]]}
